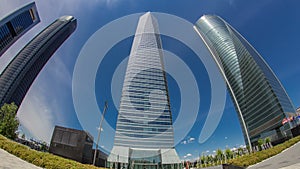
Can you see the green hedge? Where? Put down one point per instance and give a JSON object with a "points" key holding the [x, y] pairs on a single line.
{"points": [[50, 161], [41, 159], [257, 157]]}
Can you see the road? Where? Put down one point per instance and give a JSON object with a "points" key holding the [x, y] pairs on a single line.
{"points": [[288, 159], [9, 161]]}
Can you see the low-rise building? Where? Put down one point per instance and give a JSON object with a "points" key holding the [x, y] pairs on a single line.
{"points": [[72, 144], [101, 158]]}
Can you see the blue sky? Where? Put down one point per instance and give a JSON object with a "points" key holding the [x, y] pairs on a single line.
{"points": [[270, 26]]}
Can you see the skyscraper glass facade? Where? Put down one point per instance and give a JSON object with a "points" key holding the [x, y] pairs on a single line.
{"points": [[259, 97], [144, 133], [20, 73], [16, 24]]}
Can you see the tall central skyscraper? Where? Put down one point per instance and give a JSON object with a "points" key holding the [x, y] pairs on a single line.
{"points": [[144, 133]]}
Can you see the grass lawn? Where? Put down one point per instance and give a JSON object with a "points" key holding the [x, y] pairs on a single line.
{"points": [[41, 159]]}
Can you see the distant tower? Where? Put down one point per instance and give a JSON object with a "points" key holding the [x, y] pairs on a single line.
{"points": [[259, 98], [18, 76], [144, 133], [13, 26]]}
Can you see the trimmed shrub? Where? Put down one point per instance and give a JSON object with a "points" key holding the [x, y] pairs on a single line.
{"points": [[41, 159], [259, 156]]}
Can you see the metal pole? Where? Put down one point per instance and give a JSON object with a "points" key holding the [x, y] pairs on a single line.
{"points": [[100, 127]]}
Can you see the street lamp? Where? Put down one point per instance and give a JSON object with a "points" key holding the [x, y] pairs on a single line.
{"points": [[99, 132]]}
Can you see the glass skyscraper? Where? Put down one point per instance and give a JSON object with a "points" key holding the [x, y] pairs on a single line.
{"points": [[20, 73], [259, 98], [14, 25], [144, 134]]}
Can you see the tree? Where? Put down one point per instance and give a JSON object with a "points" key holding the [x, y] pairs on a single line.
{"points": [[8, 120], [203, 160], [220, 155], [229, 154], [240, 151], [248, 149], [44, 147], [268, 142], [209, 159], [260, 142]]}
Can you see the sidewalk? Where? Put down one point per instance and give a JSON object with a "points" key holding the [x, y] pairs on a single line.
{"points": [[288, 159], [9, 161]]}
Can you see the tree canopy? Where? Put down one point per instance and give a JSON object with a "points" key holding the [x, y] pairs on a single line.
{"points": [[8, 120]]}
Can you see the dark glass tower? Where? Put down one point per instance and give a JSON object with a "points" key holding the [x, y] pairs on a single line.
{"points": [[13, 26], [144, 133], [20, 73], [260, 100]]}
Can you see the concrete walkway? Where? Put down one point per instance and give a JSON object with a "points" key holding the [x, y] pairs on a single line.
{"points": [[9, 161], [288, 159]]}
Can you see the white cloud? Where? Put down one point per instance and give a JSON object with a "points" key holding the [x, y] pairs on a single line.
{"points": [[36, 117], [43, 106], [188, 155], [188, 140], [191, 140]]}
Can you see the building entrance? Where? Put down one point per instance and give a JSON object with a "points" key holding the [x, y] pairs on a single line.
{"points": [[144, 166]]}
